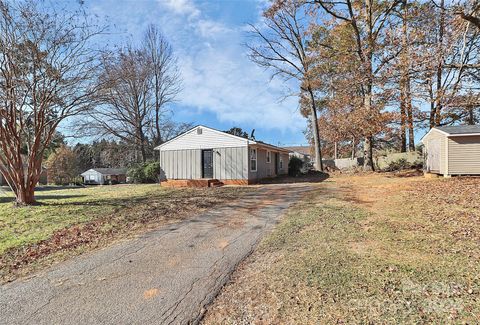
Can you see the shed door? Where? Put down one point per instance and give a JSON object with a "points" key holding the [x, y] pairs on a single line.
{"points": [[207, 163], [433, 155]]}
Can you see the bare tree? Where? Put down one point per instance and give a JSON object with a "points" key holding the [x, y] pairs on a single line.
{"points": [[281, 46], [138, 84], [127, 100], [449, 62], [47, 74], [166, 78]]}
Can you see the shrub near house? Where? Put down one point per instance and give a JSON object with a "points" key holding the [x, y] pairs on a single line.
{"points": [[148, 172]]}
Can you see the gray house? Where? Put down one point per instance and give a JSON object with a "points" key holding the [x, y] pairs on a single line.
{"points": [[101, 176], [203, 154], [452, 150]]}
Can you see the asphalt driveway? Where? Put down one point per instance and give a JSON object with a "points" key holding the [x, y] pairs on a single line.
{"points": [[166, 276]]}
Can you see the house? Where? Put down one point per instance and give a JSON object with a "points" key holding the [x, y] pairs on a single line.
{"points": [[452, 150], [302, 152], [203, 156], [101, 176]]}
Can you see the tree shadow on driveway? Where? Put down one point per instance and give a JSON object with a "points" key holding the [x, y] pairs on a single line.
{"points": [[310, 177]]}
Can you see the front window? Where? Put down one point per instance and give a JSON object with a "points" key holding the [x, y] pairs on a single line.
{"points": [[281, 163], [253, 160], [269, 157], [92, 177]]}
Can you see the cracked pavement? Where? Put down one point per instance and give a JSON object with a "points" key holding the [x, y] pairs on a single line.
{"points": [[166, 276]]}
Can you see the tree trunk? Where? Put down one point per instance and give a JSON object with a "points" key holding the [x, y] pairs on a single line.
{"points": [[335, 149], [471, 118], [431, 118], [405, 97], [25, 196], [439, 94], [368, 142], [316, 133], [354, 145], [411, 131], [368, 64], [403, 122]]}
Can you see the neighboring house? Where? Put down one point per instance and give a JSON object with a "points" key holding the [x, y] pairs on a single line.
{"points": [[101, 176], [302, 152], [452, 150], [203, 153]]}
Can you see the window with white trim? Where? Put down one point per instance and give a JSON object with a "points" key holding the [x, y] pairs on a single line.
{"points": [[281, 162], [253, 159], [269, 156]]}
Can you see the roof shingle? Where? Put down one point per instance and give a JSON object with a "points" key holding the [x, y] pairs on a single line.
{"points": [[460, 129]]}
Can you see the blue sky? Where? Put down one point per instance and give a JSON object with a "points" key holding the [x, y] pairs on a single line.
{"points": [[221, 87]]}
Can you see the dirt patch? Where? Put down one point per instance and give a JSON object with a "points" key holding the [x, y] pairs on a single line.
{"points": [[380, 248]]}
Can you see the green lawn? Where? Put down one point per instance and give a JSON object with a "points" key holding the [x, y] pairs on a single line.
{"points": [[68, 222], [63, 208], [359, 251]]}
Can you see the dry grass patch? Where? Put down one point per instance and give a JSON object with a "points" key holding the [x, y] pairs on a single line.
{"points": [[372, 248]]}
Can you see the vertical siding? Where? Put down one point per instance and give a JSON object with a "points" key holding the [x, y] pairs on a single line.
{"points": [[228, 163], [464, 155]]}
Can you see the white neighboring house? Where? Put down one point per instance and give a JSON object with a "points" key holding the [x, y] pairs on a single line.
{"points": [[101, 176], [302, 152]]}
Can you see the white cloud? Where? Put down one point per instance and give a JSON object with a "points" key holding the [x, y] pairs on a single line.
{"points": [[218, 77], [209, 28], [182, 7]]}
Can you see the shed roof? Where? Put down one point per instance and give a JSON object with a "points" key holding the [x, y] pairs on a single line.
{"points": [[110, 171], [460, 129], [454, 131]]}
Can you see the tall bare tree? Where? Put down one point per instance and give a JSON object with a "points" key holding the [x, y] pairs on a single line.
{"points": [[47, 73], [448, 61], [166, 79], [281, 46], [138, 84], [127, 100]]}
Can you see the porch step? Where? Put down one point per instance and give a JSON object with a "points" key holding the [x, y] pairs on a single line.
{"points": [[215, 183], [192, 183]]}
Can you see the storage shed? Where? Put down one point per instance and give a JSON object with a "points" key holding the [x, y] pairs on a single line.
{"points": [[203, 156], [452, 150]]}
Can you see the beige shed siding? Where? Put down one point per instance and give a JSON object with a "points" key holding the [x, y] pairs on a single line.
{"points": [[443, 142], [464, 155], [228, 163], [206, 140]]}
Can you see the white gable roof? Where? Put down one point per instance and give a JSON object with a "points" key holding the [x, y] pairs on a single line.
{"points": [[202, 137]]}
